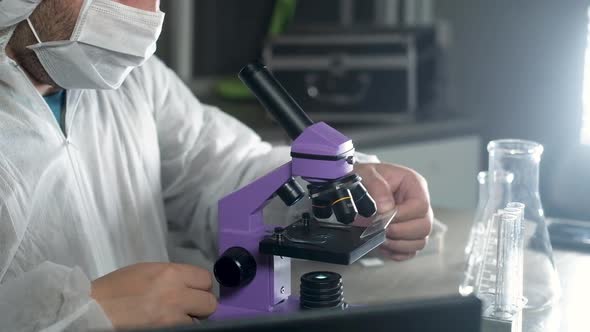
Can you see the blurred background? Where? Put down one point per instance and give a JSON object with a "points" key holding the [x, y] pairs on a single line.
{"points": [[421, 83]]}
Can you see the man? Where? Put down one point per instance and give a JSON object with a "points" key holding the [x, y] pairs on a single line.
{"points": [[100, 148]]}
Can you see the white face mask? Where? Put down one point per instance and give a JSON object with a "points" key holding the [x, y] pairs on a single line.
{"points": [[109, 40]]}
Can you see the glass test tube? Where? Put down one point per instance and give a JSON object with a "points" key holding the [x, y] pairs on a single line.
{"points": [[507, 263], [518, 208]]}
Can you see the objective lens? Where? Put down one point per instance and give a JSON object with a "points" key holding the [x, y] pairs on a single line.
{"points": [[343, 206], [321, 208], [364, 202]]}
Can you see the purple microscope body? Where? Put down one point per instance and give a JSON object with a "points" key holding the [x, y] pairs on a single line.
{"points": [[254, 268]]}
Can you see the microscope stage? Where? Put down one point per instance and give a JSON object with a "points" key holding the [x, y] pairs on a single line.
{"points": [[322, 242]]}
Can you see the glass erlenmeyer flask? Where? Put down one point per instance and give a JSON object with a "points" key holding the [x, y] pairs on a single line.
{"points": [[522, 158], [494, 194], [478, 224]]}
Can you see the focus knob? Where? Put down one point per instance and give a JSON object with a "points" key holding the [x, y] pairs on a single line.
{"points": [[235, 268]]}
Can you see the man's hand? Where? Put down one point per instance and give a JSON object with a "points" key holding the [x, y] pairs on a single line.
{"points": [[393, 186], [155, 294]]}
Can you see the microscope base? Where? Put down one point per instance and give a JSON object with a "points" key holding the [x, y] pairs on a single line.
{"points": [[225, 312]]}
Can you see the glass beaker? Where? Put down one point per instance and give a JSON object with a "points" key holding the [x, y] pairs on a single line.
{"points": [[494, 193], [522, 158]]}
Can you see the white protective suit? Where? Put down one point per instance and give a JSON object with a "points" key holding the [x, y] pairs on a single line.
{"points": [[75, 207], [134, 163]]}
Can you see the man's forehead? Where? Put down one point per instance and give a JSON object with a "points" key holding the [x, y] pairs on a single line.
{"points": [[15, 11], [149, 5]]}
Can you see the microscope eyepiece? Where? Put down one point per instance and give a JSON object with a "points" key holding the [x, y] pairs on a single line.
{"points": [[275, 99]]}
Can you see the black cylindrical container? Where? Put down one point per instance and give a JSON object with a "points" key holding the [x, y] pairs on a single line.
{"points": [[321, 290]]}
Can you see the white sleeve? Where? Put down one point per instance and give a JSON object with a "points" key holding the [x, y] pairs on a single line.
{"points": [[205, 154], [50, 297], [40, 295]]}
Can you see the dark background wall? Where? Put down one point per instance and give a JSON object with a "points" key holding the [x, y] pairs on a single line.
{"points": [[518, 65], [227, 33], [232, 32]]}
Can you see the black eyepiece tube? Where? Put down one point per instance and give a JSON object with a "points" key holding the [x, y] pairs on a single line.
{"points": [[275, 99]]}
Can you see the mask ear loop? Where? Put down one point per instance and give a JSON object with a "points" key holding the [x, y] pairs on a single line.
{"points": [[34, 31]]}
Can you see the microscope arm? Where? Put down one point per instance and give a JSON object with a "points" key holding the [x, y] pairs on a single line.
{"points": [[250, 281]]}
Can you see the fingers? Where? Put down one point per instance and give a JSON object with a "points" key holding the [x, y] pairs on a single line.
{"points": [[410, 209], [410, 230], [197, 303], [392, 185], [404, 257], [404, 246], [406, 183], [396, 256], [176, 320], [192, 276], [155, 294], [378, 187], [178, 305], [400, 187]]}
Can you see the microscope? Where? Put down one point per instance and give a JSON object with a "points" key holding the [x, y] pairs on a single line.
{"points": [[254, 266]]}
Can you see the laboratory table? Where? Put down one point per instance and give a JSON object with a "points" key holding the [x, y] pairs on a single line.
{"points": [[438, 273]]}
